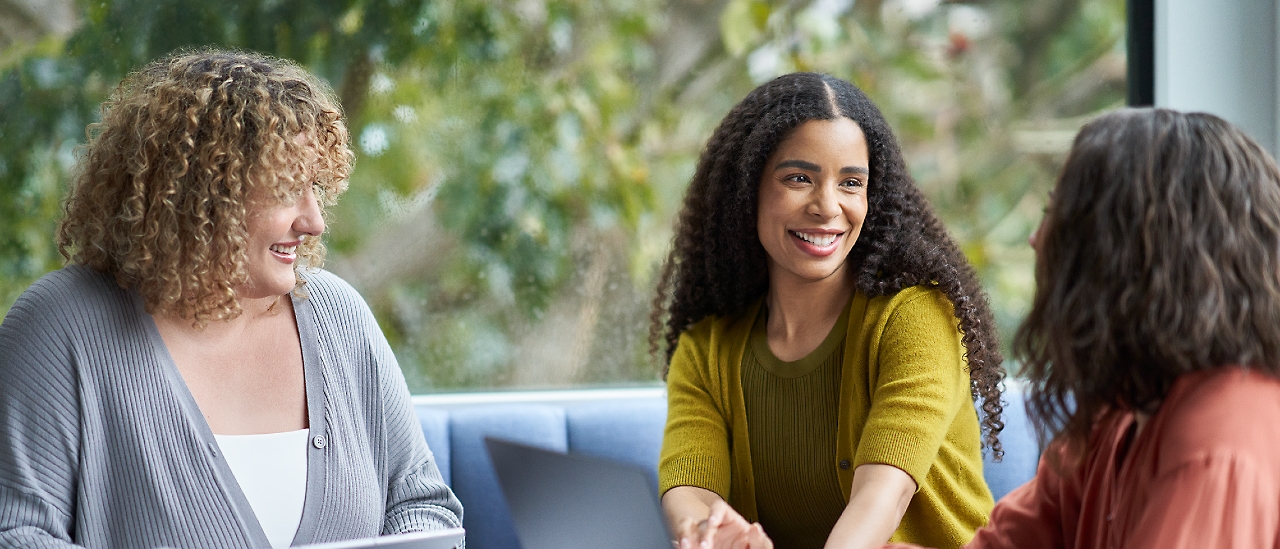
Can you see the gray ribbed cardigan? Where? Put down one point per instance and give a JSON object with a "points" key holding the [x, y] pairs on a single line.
{"points": [[102, 445]]}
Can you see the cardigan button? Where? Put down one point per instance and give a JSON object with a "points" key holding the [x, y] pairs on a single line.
{"points": [[319, 442], [844, 464]]}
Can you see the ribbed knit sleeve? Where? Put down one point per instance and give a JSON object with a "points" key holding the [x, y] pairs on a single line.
{"points": [[919, 417], [918, 385], [39, 418], [695, 444], [417, 498]]}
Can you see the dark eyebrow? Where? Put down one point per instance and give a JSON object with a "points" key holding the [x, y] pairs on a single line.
{"points": [[807, 166], [810, 166]]}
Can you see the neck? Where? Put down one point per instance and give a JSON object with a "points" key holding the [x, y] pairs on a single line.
{"points": [[252, 310], [800, 308]]}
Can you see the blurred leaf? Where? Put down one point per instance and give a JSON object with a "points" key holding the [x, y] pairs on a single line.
{"points": [[742, 23], [520, 163]]}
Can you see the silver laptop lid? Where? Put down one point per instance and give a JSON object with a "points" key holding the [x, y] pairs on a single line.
{"points": [[571, 501], [434, 539]]}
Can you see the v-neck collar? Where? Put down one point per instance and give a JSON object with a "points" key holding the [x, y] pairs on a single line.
{"points": [[313, 377], [313, 380]]}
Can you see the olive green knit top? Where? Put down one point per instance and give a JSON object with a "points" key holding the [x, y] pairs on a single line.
{"points": [[903, 400], [791, 415]]}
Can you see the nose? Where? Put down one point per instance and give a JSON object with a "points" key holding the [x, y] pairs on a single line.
{"points": [[1034, 238], [823, 202], [1037, 233], [310, 219]]}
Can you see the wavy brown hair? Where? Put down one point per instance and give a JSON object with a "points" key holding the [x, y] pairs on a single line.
{"points": [[717, 265], [1159, 255], [187, 147]]}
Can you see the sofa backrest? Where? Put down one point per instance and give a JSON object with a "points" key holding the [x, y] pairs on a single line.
{"points": [[620, 424]]}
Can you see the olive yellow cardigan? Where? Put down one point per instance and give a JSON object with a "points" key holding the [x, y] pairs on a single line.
{"points": [[904, 401]]}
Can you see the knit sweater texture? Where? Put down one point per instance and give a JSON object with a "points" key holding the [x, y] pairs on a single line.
{"points": [[791, 411], [904, 401], [102, 445]]}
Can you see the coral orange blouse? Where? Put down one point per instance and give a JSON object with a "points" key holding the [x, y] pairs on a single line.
{"points": [[1204, 472]]}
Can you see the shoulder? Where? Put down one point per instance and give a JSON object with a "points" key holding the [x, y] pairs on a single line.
{"points": [[718, 331], [914, 301], [913, 308], [341, 315], [67, 296], [710, 351], [334, 300], [72, 284], [60, 315], [324, 287], [1226, 411]]}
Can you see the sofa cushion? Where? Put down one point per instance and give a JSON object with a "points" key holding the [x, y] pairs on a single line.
{"points": [[1021, 451], [628, 430], [435, 427], [624, 425], [485, 514]]}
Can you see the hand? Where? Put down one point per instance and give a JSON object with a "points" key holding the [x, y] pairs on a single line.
{"points": [[724, 528]]}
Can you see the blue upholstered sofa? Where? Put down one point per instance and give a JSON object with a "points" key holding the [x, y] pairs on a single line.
{"points": [[620, 424]]}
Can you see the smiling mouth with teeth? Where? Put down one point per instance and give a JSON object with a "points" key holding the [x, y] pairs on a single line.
{"points": [[819, 240], [285, 250]]}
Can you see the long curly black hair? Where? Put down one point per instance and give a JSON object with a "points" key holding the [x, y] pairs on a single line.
{"points": [[717, 265]]}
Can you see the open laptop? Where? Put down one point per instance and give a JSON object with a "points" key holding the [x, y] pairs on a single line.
{"points": [[571, 501], [433, 539]]}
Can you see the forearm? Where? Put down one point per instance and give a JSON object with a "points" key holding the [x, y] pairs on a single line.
{"points": [[28, 521], [27, 537], [685, 505], [701, 518], [877, 501], [422, 502]]}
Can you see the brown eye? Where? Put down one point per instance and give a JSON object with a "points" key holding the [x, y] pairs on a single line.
{"points": [[797, 178]]}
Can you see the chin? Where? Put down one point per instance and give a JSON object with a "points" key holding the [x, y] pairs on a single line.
{"points": [[283, 289], [275, 288], [822, 273]]}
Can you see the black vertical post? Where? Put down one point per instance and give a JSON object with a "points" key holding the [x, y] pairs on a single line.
{"points": [[1141, 46]]}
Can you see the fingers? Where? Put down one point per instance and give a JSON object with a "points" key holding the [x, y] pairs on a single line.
{"points": [[758, 539], [734, 532], [723, 528], [688, 534], [752, 536], [712, 535]]}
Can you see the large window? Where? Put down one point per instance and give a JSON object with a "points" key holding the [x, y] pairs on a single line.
{"points": [[520, 162]]}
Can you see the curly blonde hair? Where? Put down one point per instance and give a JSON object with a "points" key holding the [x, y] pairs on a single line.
{"points": [[188, 147]]}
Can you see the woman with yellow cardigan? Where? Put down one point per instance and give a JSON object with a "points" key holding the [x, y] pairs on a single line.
{"points": [[825, 339]]}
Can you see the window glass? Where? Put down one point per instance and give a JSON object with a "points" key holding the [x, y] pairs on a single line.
{"points": [[520, 162]]}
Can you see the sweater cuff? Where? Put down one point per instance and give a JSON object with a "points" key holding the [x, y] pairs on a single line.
{"points": [[889, 448], [693, 470]]}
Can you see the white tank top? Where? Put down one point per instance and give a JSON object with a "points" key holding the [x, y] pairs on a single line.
{"points": [[272, 472]]}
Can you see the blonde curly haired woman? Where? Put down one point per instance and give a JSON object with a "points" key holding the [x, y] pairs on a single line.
{"points": [[192, 378]]}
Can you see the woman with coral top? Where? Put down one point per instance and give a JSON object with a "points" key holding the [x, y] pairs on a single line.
{"points": [[825, 337], [1153, 343]]}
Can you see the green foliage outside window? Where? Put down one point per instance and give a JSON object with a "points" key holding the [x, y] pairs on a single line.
{"points": [[519, 162]]}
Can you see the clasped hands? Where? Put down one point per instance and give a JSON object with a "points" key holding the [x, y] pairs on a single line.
{"points": [[724, 528]]}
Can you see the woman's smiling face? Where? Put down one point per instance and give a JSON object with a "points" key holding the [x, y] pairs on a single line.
{"points": [[275, 232], [813, 200]]}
